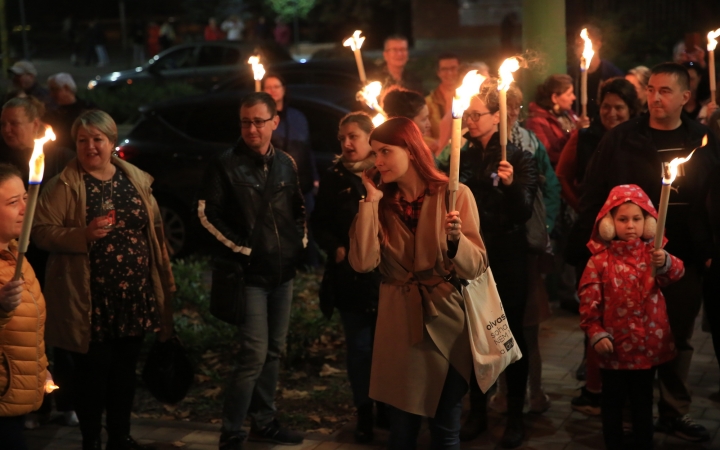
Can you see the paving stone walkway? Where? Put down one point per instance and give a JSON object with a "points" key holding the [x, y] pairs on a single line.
{"points": [[559, 428]]}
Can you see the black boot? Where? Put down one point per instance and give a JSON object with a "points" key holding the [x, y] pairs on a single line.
{"points": [[364, 428], [514, 430], [476, 421], [382, 419], [92, 444], [126, 443]]}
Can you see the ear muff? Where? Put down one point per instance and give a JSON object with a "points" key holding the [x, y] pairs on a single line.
{"points": [[650, 228], [606, 228]]}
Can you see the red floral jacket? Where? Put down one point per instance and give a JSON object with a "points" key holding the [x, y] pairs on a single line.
{"points": [[618, 297], [549, 130]]}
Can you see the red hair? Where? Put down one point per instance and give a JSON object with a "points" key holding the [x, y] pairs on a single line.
{"points": [[403, 132]]}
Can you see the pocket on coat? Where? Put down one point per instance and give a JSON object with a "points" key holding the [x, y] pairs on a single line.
{"points": [[5, 374]]}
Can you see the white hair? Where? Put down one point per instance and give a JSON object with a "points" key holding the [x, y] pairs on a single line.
{"points": [[63, 79]]}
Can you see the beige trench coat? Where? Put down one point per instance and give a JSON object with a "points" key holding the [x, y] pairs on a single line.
{"points": [[421, 325]]}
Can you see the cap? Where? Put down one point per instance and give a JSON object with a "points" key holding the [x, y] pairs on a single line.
{"points": [[22, 67]]}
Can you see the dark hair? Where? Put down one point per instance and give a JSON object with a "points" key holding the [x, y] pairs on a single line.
{"points": [[613, 211], [260, 97], [361, 118], [34, 108], [399, 102], [403, 132], [713, 122], [670, 68], [554, 84], [514, 95], [273, 75], [394, 37], [623, 89], [8, 171], [489, 95], [446, 55]]}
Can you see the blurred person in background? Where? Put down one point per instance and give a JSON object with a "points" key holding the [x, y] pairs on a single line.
{"points": [[399, 102], [24, 81], [212, 32], [439, 101], [233, 28], [69, 107], [639, 77]]}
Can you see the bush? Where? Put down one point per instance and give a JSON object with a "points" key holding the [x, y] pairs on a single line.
{"points": [[122, 102]]}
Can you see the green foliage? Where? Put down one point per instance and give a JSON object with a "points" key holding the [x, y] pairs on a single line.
{"points": [[122, 102], [287, 10]]}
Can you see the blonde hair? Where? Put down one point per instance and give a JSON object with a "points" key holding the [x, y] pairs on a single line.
{"points": [[34, 108], [98, 119]]}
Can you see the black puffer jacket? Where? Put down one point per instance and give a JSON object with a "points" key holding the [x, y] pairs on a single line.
{"points": [[627, 155], [230, 199], [335, 209], [504, 210]]}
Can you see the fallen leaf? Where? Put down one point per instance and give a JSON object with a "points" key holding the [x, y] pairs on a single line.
{"points": [[331, 419], [201, 378], [327, 371], [134, 416], [189, 400], [215, 420], [170, 408], [178, 444], [183, 414], [314, 418], [166, 417], [298, 375], [319, 388], [292, 394], [212, 392], [321, 431], [210, 354], [332, 357]]}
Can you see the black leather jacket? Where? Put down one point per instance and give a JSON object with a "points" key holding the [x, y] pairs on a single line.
{"points": [[504, 210], [230, 199]]}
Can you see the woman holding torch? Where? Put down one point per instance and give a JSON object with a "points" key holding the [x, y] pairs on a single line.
{"points": [[109, 280], [423, 361], [505, 192]]}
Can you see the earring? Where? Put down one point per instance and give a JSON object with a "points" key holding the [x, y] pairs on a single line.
{"points": [[556, 108]]}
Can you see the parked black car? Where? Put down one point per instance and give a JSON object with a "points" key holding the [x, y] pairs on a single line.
{"points": [[201, 64], [174, 140]]}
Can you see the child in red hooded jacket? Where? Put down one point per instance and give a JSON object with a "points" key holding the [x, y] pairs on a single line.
{"points": [[623, 311]]}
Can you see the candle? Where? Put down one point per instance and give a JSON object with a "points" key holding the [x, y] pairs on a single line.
{"points": [[506, 70], [461, 101], [355, 42], [587, 56], [670, 171], [258, 72], [712, 43], [37, 167]]}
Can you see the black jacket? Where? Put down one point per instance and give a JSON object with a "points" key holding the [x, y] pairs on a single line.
{"points": [[588, 140], [230, 199], [627, 155], [336, 206], [504, 210]]}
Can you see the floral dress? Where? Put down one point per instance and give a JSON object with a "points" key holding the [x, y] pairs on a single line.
{"points": [[123, 303]]}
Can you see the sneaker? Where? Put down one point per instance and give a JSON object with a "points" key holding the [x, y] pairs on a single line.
{"points": [[231, 441], [581, 371], [498, 402], [275, 434], [127, 443], [587, 403], [475, 423], [539, 403], [683, 427], [70, 418], [514, 433]]}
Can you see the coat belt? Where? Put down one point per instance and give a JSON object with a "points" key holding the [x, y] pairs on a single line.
{"points": [[417, 294]]}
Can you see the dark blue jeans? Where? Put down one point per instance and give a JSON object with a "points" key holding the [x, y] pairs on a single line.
{"points": [[11, 433], [444, 427], [359, 336]]}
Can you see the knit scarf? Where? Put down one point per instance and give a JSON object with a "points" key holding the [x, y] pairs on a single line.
{"points": [[357, 168]]}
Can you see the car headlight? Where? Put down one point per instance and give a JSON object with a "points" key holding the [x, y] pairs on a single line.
{"points": [[92, 84]]}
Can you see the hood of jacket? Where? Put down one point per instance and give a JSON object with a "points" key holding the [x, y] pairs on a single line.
{"points": [[601, 234]]}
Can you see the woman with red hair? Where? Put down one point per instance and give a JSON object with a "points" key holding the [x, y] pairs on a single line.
{"points": [[422, 360]]}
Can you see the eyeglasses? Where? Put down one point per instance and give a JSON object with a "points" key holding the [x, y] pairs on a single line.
{"points": [[259, 123], [475, 116]]}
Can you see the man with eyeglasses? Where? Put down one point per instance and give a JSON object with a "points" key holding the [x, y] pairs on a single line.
{"points": [[233, 202], [396, 55], [439, 101]]}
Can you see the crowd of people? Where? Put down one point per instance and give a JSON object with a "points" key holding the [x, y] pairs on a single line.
{"points": [[571, 208]]}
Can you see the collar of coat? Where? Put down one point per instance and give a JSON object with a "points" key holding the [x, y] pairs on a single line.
{"points": [[241, 148], [73, 172]]}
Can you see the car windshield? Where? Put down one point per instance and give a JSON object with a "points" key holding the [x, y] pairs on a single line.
{"points": [[181, 58]]}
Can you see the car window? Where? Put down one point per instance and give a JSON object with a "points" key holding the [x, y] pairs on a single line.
{"points": [[214, 123], [215, 55], [181, 58]]}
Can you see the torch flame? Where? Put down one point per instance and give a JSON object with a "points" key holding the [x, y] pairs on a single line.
{"points": [[50, 386], [469, 87], [588, 53], [258, 69], [712, 41], [37, 160], [672, 167], [355, 41], [370, 93], [378, 120], [506, 70]]}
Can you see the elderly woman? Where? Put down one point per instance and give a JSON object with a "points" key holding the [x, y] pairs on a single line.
{"points": [[109, 280]]}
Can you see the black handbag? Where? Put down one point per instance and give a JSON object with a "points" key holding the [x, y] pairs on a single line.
{"points": [[227, 294], [168, 372]]}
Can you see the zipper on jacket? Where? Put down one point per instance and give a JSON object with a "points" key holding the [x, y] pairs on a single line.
{"points": [[272, 214]]}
